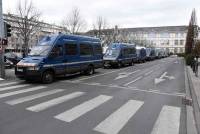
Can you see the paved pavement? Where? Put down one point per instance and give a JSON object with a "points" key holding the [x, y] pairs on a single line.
{"points": [[141, 99], [194, 85]]}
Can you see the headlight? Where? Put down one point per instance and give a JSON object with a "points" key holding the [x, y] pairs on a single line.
{"points": [[33, 68]]}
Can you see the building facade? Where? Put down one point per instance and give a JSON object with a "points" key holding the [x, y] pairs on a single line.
{"points": [[15, 42], [172, 38]]}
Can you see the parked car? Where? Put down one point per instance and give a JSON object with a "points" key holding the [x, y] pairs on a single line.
{"points": [[119, 54], [59, 55], [14, 58]]}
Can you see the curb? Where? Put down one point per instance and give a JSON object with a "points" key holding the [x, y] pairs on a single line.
{"points": [[193, 112]]}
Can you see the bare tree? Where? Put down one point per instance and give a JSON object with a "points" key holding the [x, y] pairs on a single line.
{"points": [[99, 26], [28, 23], [74, 23]]}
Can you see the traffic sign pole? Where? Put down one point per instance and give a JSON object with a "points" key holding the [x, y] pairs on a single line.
{"points": [[2, 66]]}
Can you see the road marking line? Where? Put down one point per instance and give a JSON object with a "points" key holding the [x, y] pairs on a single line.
{"points": [[21, 91], [116, 121], [139, 90], [102, 74], [14, 87], [82, 109], [6, 84], [53, 102], [32, 97], [168, 121], [133, 81], [126, 74], [148, 73]]}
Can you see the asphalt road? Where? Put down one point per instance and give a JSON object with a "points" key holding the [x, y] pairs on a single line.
{"points": [[141, 99]]}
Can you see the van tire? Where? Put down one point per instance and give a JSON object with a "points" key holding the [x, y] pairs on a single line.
{"points": [[132, 63], [90, 70], [47, 77], [119, 64]]}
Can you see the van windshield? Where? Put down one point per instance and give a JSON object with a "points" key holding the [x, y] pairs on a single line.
{"points": [[41, 50], [112, 53]]}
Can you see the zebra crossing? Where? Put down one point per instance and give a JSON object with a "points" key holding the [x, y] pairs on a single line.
{"points": [[168, 121]]}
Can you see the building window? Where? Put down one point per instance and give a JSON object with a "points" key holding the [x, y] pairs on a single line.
{"points": [[181, 50], [181, 42], [164, 35], [175, 42], [172, 35], [176, 35], [152, 35]]}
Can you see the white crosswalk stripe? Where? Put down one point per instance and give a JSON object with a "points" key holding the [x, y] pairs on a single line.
{"points": [[13, 87], [53, 102], [21, 91], [116, 121], [6, 84], [33, 97], [82, 109], [168, 121]]}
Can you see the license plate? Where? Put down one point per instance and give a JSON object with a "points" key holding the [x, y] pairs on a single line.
{"points": [[20, 69]]}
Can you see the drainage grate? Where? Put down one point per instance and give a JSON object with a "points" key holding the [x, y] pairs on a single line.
{"points": [[187, 101]]}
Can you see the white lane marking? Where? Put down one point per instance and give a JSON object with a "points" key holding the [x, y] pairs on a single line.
{"points": [[82, 109], [6, 84], [21, 91], [148, 73], [14, 87], [101, 74], [116, 121], [133, 81], [139, 90], [53, 102], [125, 74], [32, 97], [168, 121]]}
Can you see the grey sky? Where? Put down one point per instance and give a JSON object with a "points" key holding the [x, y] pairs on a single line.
{"points": [[125, 13]]}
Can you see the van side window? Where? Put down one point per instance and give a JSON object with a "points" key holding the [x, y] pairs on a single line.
{"points": [[86, 49], [125, 52], [97, 49], [70, 49], [56, 51]]}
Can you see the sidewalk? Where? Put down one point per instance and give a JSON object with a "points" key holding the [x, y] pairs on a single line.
{"points": [[194, 89]]}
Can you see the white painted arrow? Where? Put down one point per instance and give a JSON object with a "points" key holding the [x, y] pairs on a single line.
{"points": [[158, 80], [125, 74], [161, 79], [170, 77]]}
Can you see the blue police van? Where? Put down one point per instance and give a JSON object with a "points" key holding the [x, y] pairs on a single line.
{"points": [[119, 54], [141, 54], [60, 55]]}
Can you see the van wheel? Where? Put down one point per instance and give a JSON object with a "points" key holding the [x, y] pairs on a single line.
{"points": [[90, 70], [132, 63], [119, 64], [47, 77]]}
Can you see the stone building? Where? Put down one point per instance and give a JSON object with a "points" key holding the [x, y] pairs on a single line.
{"points": [[172, 38]]}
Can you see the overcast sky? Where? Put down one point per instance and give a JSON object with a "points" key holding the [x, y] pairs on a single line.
{"points": [[124, 13]]}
